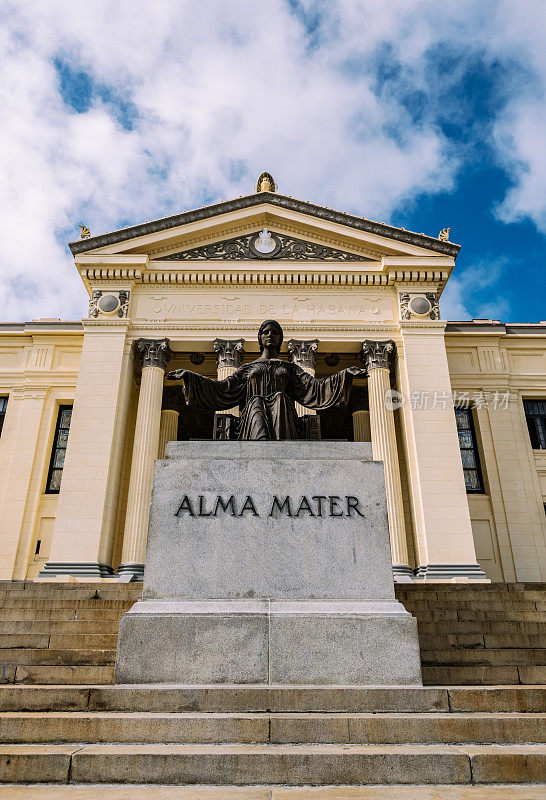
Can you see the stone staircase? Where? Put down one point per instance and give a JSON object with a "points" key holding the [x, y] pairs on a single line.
{"points": [[61, 720], [66, 633]]}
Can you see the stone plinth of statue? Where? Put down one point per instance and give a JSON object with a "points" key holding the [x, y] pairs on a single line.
{"points": [[268, 563]]}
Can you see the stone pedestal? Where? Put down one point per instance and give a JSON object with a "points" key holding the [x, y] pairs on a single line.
{"points": [[268, 563]]}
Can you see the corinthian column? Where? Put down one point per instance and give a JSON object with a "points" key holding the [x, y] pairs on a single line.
{"points": [[155, 354], [229, 357], [375, 355], [304, 354], [168, 430]]}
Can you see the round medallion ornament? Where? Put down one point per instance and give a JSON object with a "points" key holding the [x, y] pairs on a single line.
{"points": [[265, 244], [108, 304], [420, 306], [197, 358]]}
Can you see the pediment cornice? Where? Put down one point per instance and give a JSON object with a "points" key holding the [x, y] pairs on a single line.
{"points": [[352, 225]]}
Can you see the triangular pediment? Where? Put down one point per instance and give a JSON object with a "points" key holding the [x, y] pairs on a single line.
{"points": [[264, 245], [227, 231]]}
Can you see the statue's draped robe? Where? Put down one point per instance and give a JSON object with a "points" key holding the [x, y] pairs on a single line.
{"points": [[266, 391]]}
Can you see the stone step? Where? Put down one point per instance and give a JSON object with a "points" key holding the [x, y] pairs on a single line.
{"points": [[38, 602], [475, 614], [475, 674], [76, 591], [23, 640], [229, 792], [276, 699], [69, 675], [94, 641], [31, 657], [58, 614], [475, 641], [492, 657], [485, 627], [44, 698], [455, 604], [70, 627], [195, 727], [303, 764], [532, 675], [483, 675]]}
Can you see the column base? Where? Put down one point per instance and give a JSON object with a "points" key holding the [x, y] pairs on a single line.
{"points": [[129, 573], [402, 573], [450, 572], [88, 569]]}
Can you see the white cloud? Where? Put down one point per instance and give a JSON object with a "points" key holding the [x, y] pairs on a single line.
{"points": [[217, 92], [466, 288]]}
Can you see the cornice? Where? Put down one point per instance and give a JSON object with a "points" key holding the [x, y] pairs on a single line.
{"points": [[105, 323], [249, 274], [274, 199], [436, 325]]}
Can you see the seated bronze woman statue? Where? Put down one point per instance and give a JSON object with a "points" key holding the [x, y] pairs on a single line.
{"points": [[267, 389]]}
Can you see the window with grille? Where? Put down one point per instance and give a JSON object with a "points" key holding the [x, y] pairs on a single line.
{"points": [[535, 414], [59, 449], [3, 408], [469, 451]]}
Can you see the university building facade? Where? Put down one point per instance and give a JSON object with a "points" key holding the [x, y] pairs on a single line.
{"points": [[455, 410]]}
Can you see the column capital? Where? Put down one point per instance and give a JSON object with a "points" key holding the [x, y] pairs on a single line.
{"points": [[376, 354], [155, 352], [229, 352], [303, 352]]}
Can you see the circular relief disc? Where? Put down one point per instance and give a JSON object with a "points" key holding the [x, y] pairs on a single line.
{"points": [[108, 303], [420, 306], [265, 244]]}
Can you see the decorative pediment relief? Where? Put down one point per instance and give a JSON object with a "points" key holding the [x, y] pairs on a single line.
{"points": [[264, 245]]}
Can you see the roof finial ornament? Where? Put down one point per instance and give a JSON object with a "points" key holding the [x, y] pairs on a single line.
{"points": [[85, 232], [266, 183], [443, 236]]}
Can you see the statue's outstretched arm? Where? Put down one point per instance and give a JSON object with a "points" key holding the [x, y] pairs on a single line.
{"points": [[322, 393], [207, 393]]}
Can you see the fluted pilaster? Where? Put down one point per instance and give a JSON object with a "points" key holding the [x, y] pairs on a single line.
{"points": [[303, 353], [155, 354], [376, 356]]}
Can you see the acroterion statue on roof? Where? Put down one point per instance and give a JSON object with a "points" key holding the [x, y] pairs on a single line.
{"points": [[266, 183]]}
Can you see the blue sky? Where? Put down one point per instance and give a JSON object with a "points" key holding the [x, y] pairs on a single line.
{"points": [[410, 112]]}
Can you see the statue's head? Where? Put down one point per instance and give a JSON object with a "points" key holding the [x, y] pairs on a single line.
{"points": [[270, 323]]}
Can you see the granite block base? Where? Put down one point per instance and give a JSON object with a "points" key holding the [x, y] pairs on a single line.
{"points": [[268, 563], [261, 642]]}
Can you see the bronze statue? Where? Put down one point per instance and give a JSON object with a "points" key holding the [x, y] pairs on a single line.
{"points": [[267, 389]]}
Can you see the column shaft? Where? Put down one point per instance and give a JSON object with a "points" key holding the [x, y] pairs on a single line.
{"points": [[229, 357], [361, 426], [384, 449], [168, 430], [376, 356], [145, 450], [303, 353]]}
